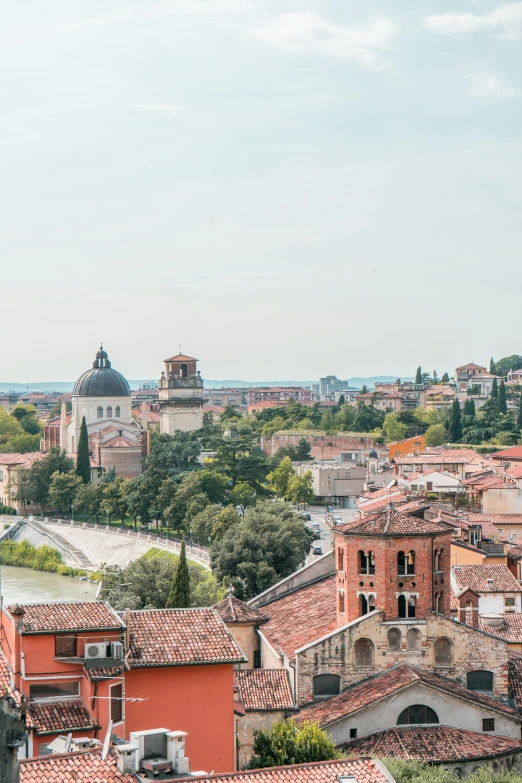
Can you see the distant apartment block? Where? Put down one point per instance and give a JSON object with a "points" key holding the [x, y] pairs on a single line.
{"points": [[331, 384], [224, 397], [277, 394]]}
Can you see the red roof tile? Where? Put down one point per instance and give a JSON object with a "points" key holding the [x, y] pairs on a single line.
{"points": [[265, 689], [510, 630], [174, 637], [25, 459], [73, 767], [513, 453], [476, 577], [181, 357], [364, 770], [232, 610], [49, 618], [392, 522], [105, 672], [120, 442], [374, 505], [53, 717], [302, 616], [495, 519], [435, 744], [515, 679]]}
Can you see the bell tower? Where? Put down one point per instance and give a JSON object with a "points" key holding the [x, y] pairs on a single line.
{"points": [[180, 395]]}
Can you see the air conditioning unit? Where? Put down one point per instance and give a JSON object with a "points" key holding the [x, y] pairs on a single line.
{"points": [[116, 650], [95, 650]]}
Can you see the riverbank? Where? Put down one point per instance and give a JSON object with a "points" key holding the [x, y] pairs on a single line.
{"points": [[22, 554], [25, 586]]}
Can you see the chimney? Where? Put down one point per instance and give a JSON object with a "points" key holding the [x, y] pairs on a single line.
{"points": [[126, 620], [126, 758], [17, 612], [176, 752]]}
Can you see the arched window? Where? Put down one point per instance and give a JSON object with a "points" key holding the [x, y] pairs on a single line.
{"points": [[363, 651], [394, 639], [417, 714], [480, 681], [441, 560], [100, 412], [117, 412], [371, 562], [363, 562], [414, 639], [364, 605], [443, 650], [340, 559], [437, 597], [109, 411], [401, 563], [183, 371], [371, 603], [341, 601], [436, 560], [410, 565], [326, 685], [402, 606], [412, 606]]}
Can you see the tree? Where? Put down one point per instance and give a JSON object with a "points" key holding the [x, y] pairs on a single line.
{"points": [[300, 489], [41, 472], [27, 417], [502, 401], [143, 493], [56, 410], [435, 435], [278, 479], [492, 368], [469, 407], [179, 596], [327, 421], [88, 499], [175, 454], [494, 389], [287, 743], [115, 495], [519, 419], [243, 460], [393, 429], [63, 490], [342, 400], [513, 362], [367, 417], [214, 484], [270, 542], [445, 378], [435, 377], [455, 425], [83, 459], [418, 376]]}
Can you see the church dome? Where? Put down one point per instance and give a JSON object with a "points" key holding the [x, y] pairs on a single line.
{"points": [[102, 380]]}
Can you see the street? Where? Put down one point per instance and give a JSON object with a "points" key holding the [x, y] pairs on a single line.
{"points": [[318, 516]]}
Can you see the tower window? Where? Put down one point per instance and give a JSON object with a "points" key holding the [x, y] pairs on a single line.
{"points": [[109, 411], [183, 371], [412, 606], [99, 412], [414, 639], [401, 564], [364, 605], [340, 559], [363, 562], [417, 714], [371, 562], [117, 412], [341, 601], [410, 563], [402, 606]]}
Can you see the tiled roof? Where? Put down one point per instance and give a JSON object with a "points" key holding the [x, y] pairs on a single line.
{"points": [[49, 618], [496, 519], [25, 459], [515, 552], [181, 357], [5, 682], [72, 768], [515, 471], [514, 453], [53, 717], [515, 679], [392, 522], [301, 616], [433, 744], [510, 630], [451, 456], [232, 610], [173, 637], [265, 689], [105, 672], [383, 685], [364, 770], [120, 442], [476, 576]]}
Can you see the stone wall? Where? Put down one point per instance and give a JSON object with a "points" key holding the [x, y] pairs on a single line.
{"points": [[12, 733], [324, 447], [253, 721]]}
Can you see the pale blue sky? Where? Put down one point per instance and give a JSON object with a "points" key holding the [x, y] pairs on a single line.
{"points": [[288, 189]]}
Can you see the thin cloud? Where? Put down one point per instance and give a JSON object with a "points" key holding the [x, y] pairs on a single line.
{"points": [[505, 21], [165, 108], [487, 85], [306, 33]]}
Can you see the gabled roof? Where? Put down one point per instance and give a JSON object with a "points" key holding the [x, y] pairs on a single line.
{"points": [[67, 617], [510, 630], [72, 768], [177, 637], [392, 522], [181, 357], [26, 459], [232, 610], [364, 770], [383, 685], [513, 453], [265, 689], [433, 744], [120, 442], [55, 717], [477, 576], [496, 519]]}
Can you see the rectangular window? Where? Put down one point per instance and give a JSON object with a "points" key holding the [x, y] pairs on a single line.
{"points": [[353, 733], [65, 646], [510, 601], [116, 703], [257, 659], [63, 689], [488, 724]]}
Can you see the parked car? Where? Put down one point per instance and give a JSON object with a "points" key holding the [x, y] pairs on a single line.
{"points": [[317, 550], [338, 520], [307, 517]]}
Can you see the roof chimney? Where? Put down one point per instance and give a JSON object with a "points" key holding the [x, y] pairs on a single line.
{"points": [[126, 758]]}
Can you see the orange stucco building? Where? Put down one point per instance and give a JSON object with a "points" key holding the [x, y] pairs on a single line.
{"points": [[404, 447]]}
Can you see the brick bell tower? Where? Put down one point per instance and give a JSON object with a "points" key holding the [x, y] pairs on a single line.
{"points": [[393, 562]]}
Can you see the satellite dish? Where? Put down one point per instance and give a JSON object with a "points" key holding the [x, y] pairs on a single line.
{"points": [[98, 589], [106, 741], [68, 741]]}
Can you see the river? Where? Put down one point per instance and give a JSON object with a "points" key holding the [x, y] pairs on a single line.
{"points": [[25, 586]]}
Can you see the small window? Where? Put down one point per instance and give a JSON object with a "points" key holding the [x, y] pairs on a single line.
{"points": [[417, 714], [363, 606], [410, 565], [401, 563], [64, 689], [116, 703], [341, 602], [510, 601], [257, 659], [117, 412], [488, 724], [363, 651], [65, 646], [363, 562], [402, 606], [326, 685], [412, 606], [340, 559], [353, 733], [480, 681], [371, 562], [183, 371], [100, 412], [109, 411]]}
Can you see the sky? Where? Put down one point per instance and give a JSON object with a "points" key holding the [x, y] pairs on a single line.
{"points": [[285, 188]]}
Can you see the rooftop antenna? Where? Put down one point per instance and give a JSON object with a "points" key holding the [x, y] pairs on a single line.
{"points": [[106, 741]]}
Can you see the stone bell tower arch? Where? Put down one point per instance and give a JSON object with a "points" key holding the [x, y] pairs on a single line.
{"points": [[180, 395]]}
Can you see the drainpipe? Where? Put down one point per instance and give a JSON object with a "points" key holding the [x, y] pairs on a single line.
{"points": [[18, 613], [294, 667]]}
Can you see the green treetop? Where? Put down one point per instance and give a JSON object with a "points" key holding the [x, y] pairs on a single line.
{"points": [[519, 420], [492, 368], [83, 460], [179, 597], [287, 743], [502, 401], [455, 425], [278, 479], [418, 376], [494, 389]]}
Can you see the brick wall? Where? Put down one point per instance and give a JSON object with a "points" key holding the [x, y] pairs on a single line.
{"points": [[324, 447]]}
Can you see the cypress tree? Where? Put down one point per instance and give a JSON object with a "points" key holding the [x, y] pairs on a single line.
{"points": [[492, 368], [455, 426], [83, 461], [418, 377], [519, 422], [494, 390], [179, 596], [445, 378], [469, 407], [502, 402]]}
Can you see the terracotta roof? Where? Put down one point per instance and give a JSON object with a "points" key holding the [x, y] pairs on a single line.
{"points": [[175, 637], [364, 770], [54, 717], [392, 522], [104, 672], [476, 577], [451, 456], [515, 679], [374, 505], [72, 768], [515, 552], [232, 610], [496, 519], [302, 616], [49, 618], [434, 744], [181, 357], [120, 442], [513, 453], [383, 685], [265, 689], [26, 459], [515, 471], [510, 630]]}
